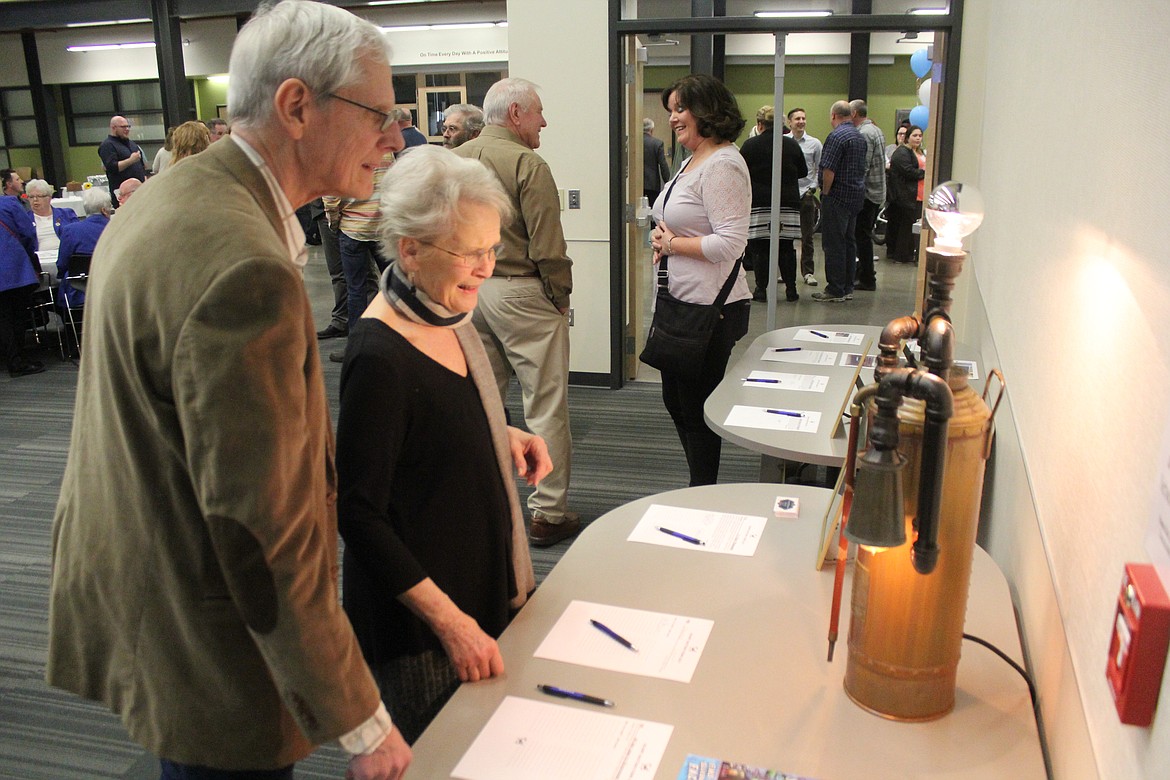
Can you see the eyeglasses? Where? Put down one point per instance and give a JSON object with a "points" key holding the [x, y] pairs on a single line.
{"points": [[471, 259], [387, 119], [33, 197]]}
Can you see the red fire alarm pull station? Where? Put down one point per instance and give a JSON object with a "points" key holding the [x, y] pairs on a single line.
{"points": [[1137, 652]]}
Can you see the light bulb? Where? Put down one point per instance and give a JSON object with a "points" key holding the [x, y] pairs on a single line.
{"points": [[954, 210]]}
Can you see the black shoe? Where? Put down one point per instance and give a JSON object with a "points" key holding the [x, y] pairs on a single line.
{"points": [[759, 295], [23, 367], [865, 287], [792, 295], [332, 332], [337, 357]]}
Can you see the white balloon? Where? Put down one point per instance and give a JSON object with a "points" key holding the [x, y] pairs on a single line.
{"points": [[924, 93]]}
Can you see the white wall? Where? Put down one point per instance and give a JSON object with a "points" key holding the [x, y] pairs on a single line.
{"points": [[563, 48], [1072, 299]]}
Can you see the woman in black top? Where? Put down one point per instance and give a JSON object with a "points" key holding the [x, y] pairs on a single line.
{"points": [[436, 557], [907, 169]]}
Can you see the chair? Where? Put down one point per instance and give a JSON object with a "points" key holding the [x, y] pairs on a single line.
{"points": [[42, 309], [77, 276]]}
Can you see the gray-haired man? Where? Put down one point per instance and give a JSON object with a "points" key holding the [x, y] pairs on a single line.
{"points": [[522, 308], [461, 123], [195, 541]]}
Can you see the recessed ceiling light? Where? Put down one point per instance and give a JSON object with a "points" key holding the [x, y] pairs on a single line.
{"points": [[791, 14], [453, 26], [927, 12], [105, 24], [111, 46]]}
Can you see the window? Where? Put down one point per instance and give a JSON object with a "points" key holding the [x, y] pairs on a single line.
{"points": [[88, 108], [18, 125]]}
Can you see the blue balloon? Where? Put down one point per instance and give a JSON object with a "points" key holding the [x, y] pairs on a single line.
{"points": [[919, 115], [920, 63]]}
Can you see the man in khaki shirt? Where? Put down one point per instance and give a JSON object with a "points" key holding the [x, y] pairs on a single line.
{"points": [[522, 311]]}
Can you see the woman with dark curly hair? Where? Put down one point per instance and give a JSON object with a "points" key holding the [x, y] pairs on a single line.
{"points": [[702, 226]]}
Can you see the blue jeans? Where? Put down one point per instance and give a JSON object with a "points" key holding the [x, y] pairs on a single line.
{"points": [[838, 223], [175, 771], [356, 257]]}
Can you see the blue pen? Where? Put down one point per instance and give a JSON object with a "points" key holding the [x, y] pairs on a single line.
{"points": [[786, 414], [684, 537], [765, 381], [615, 636], [786, 349], [818, 333], [564, 693]]}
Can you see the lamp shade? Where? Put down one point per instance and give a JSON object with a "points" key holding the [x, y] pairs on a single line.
{"points": [[878, 518]]}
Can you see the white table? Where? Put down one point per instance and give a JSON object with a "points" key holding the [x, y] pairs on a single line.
{"points": [[72, 202], [762, 693]]}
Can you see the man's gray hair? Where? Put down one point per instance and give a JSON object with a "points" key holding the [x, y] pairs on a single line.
{"points": [[647, 125], [95, 199], [842, 108], [423, 194], [320, 44], [38, 187], [859, 107], [472, 117], [503, 94]]}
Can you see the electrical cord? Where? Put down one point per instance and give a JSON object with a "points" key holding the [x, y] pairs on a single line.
{"points": [[1023, 672]]}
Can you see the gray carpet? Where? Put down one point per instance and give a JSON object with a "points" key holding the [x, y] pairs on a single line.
{"points": [[624, 448]]}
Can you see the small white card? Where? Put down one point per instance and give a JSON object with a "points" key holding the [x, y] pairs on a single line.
{"points": [[773, 418], [776, 380]]}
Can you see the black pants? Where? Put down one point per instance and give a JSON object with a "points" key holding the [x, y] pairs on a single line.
{"points": [[757, 250], [866, 219], [684, 398], [13, 323], [900, 220]]}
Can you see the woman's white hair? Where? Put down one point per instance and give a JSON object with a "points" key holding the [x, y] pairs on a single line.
{"points": [[424, 193], [320, 44], [38, 187], [504, 93], [95, 200]]}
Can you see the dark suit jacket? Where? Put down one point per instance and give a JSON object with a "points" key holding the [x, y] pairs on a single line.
{"points": [[655, 170], [194, 584]]}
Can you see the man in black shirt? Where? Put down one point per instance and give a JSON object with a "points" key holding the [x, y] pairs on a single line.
{"points": [[122, 158]]}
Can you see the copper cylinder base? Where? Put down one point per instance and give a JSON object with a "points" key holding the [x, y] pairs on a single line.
{"points": [[906, 629]]}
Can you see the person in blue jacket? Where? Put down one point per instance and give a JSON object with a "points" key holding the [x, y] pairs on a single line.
{"points": [[19, 276], [82, 237]]}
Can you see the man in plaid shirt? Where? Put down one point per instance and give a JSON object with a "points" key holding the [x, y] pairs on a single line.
{"points": [[875, 193], [842, 193]]}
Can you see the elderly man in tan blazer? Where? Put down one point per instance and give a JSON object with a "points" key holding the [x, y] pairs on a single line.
{"points": [[195, 550]]}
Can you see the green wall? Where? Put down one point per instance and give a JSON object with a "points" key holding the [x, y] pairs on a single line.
{"points": [[208, 95], [812, 87]]}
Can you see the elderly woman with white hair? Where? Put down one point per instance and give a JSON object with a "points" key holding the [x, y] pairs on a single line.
{"points": [[46, 220], [81, 237], [436, 556]]}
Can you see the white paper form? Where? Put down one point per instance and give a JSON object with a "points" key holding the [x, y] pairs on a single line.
{"points": [[829, 336], [770, 418], [720, 532], [775, 380], [815, 357], [527, 739], [669, 646]]}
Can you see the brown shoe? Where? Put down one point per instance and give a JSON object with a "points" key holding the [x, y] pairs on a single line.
{"points": [[543, 533]]}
